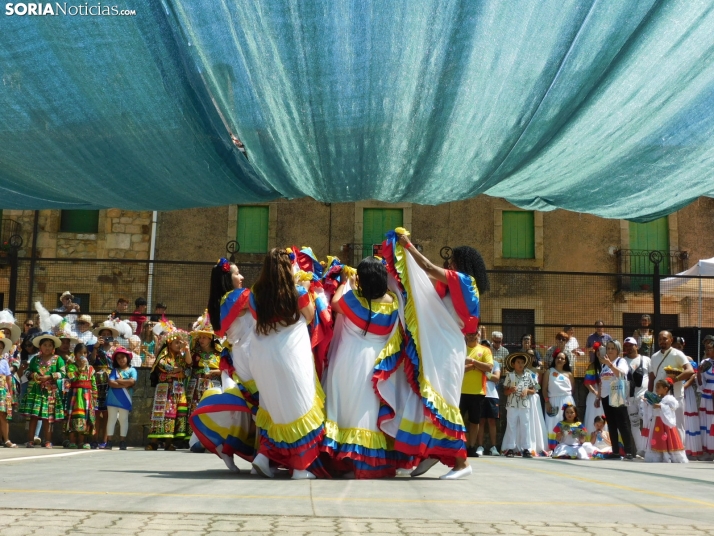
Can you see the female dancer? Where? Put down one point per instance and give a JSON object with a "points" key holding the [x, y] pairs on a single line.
{"points": [[429, 425], [222, 420], [558, 389], [370, 330]]}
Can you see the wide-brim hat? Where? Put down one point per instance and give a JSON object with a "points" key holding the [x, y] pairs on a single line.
{"points": [[36, 340], [508, 362], [7, 344], [15, 330], [122, 350], [106, 325], [202, 326]]}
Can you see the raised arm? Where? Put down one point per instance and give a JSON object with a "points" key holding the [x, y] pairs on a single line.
{"points": [[432, 270]]}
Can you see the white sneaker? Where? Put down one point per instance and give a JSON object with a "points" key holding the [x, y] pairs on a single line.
{"points": [[479, 451], [262, 465], [403, 471], [453, 474], [299, 474], [494, 451], [424, 466], [37, 441]]}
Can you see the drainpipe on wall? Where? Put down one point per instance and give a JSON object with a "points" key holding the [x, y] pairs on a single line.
{"points": [[152, 253]]}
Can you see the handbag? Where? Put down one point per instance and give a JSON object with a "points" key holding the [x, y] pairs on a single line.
{"points": [[618, 393]]}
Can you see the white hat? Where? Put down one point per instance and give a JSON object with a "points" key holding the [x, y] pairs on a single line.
{"points": [[38, 339], [7, 344], [631, 340], [7, 321], [66, 294], [107, 324]]}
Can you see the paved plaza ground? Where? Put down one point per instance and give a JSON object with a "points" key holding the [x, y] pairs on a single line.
{"points": [[179, 493]]}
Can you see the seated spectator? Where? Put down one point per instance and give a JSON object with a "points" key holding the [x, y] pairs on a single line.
{"points": [[159, 312], [600, 438], [148, 344], [568, 436], [135, 349], [139, 315], [572, 345], [84, 331], [644, 336]]}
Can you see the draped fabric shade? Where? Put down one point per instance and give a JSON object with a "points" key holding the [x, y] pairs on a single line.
{"points": [[594, 106]]}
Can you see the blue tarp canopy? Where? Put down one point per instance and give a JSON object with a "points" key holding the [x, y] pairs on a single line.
{"points": [[599, 106]]}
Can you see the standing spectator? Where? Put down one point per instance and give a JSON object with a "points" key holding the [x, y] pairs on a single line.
{"points": [[6, 398], [473, 389], [139, 315], [121, 383], [705, 379], [558, 384], [644, 336], [84, 332], [669, 358], [68, 309], [693, 433], [640, 365], [528, 346], [121, 308], [599, 336], [490, 409], [498, 351], [518, 385], [573, 346], [101, 360], [612, 366], [148, 344], [561, 340], [159, 312], [593, 404]]}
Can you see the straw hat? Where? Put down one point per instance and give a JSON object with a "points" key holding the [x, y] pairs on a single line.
{"points": [[202, 326], [508, 362], [107, 324], [7, 344], [7, 321], [46, 335]]}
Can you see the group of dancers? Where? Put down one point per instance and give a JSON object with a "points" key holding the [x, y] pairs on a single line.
{"points": [[330, 371]]}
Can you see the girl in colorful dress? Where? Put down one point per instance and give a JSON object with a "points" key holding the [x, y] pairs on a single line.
{"points": [[170, 411], [568, 436], [428, 425], [277, 357], [222, 421], [600, 438], [206, 356], [121, 382], [705, 379], [6, 398], [558, 389], [593, 406], [43, 399], [369, 331], [663, 443], [101, 360], [82, 398]]}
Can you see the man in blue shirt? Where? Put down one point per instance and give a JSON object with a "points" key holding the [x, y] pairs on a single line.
{"points": [[599, 336]]}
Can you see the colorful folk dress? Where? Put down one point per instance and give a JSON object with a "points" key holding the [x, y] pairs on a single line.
{"points": [[663, 441], [352, 434], [420, 388], [222, 420], [591, 378], [169, 414], [43, 399], [572, 443], [82, 399], [706, 410], [5, 388], [204, 363], [102, 368]]}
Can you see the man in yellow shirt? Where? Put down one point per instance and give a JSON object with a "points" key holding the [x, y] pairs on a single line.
{"points": [[479, 361]]}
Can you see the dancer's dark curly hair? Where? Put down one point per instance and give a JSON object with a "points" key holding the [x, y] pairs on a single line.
{"points": [[470, 262], [221, 283]]}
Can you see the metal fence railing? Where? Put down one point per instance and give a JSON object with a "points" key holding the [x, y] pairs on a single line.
{"points": [[539, 303]]}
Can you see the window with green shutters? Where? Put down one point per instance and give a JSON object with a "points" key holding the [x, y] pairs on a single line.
{"points": [[644, 237], [375, 224], [79, 221], [518, 234], [252, 232]]}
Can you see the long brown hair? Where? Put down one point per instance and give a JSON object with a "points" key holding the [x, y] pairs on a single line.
{"points": [[276, 298]]}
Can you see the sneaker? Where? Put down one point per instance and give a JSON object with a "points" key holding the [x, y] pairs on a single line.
{"points": [[102, 446], [37, 441], [640, 454], [107, 446], [122, 445], [493, 451], [67, 445], [527, 453], [479, 452], [93, 445], [509, 454], [629, 457]]}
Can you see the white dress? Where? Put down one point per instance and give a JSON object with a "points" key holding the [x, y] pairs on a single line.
{"points": [[537, 431], [692, 426], [352, 407], [662, 429], [559, 392], [571, 446], [706, 411]]}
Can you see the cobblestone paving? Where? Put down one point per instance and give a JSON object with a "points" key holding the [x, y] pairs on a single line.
{"points": [[26, 522]]}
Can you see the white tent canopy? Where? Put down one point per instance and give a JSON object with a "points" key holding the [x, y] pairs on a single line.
{"points": [[704, 267]]}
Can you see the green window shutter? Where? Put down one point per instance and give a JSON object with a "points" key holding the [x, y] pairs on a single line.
{"points": [[650, 236], [79, 221], [518, 234], [252, 231], [375, 224]]}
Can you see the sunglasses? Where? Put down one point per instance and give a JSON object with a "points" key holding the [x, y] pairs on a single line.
{"points": [[29, 325]]}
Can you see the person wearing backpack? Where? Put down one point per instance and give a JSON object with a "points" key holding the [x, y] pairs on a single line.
{"points": [[638, 377]]}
